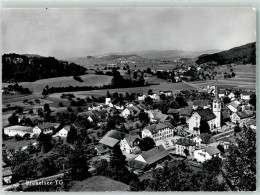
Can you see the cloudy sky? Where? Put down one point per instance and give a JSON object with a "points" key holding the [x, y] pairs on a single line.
{"points": [[93, 31]]}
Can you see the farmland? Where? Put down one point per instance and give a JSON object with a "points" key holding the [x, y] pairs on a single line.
{"points": [[245, 78], [88, 80]]}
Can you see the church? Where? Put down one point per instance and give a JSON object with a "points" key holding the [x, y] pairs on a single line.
{"points": [[213, 117]]}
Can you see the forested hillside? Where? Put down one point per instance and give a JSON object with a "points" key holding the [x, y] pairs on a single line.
{"points": [[245, 54], [20, 68]]}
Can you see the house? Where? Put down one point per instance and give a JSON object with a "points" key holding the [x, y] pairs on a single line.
{"points": [[17, 129], [241, 116], [203, 139], [225, 115], [101, 149], [160, 131], [46, 128], [245, 95], [63, 132], [158, 116], [88, 115], [206, 154], [7, 174], [232, 96], [166, 93], [129, 143], [185, 143], [154, 96], [141, 97], [200, 104], [205, 114], [112, 138], [130, 111], [169, 143], [222, 93], [234, 106], [132, 125], [153, 156], [108, 101], [79, 125], [226, 141]]}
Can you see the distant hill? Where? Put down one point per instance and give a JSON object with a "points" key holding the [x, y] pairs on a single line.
{"points": [[114, 57], [245, 54], [19, 68]]}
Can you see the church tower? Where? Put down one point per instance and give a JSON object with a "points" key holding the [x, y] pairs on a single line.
{"points": [[216, 108]]}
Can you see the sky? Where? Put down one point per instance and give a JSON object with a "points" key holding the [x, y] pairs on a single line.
{"points": [[63, 33]]}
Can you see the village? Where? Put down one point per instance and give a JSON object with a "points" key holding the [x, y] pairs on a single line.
{"points": [[147, 131]]}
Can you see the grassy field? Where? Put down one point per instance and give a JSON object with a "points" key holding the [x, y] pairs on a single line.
{"points": [[175, 87], [245, 78], [88, 80]]}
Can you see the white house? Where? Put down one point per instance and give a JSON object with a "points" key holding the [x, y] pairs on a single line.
{"points": [[231, 95], [108, 101], [46, 128], [185, 143], [203, 140], [63, 132], [141, 98], [154, 96], [129, 143], [245, 95], [161, 131], [166, 93], [241, 116], [206, 154], [17, 129]]}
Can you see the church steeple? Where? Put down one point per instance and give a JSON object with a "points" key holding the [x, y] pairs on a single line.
{"points": [[216, 92]]}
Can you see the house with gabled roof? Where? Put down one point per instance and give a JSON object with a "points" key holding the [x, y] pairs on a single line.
{"points": [[204, 114], [133, 125], [201, 104], [234, 106], [241, 116], [46, 128], [203, 140], [206, 153], [153, 156], [129, 143], [18, 129], [185, 143], [112, 138], [160, 131], [245, 95]]}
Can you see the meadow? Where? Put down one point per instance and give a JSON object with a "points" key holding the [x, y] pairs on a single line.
{"points": [[88, 80]]}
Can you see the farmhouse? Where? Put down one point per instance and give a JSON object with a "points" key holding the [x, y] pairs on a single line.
{"points": [[185, 144], [18, 130], [46, 128], [234, 106], [245, 95], [241, 116], [129, 143], [203, 139], [63, 132], [153, 156], [206, 154], [112, 138]]}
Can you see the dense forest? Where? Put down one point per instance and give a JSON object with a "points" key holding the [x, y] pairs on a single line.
{"points": [[245, 54], [20, 68]]}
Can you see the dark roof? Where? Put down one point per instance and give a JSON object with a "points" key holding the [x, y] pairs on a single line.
{"points": [[245, 114], [115, 134], [206, 114], [46, 125], [101, 149], [133, 125], [211, 150], [247, 93], [201, 103], [135, 164], [225, 114], [160, 116], [186, 112], [131, 138], [185, 142], [78, 125], [155, 127], [155, 154], [173, 111], [206, 138]]}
